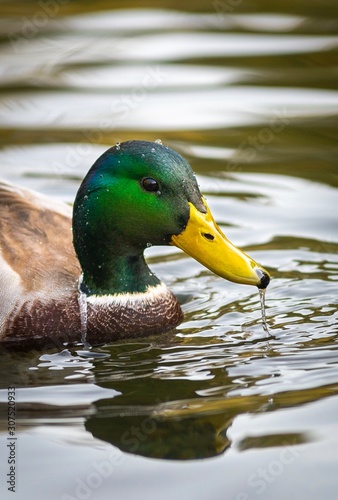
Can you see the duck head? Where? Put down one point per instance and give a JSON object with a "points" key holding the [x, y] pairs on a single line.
{"points": [[139, 194]]}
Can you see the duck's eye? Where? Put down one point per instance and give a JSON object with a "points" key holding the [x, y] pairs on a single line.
{"points": [[150, 185]]}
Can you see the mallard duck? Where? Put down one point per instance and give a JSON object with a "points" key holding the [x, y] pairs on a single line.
{"points": [[135, 195]]}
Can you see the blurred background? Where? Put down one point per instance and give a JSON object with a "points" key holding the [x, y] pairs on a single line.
{"points": [[246, 90]]}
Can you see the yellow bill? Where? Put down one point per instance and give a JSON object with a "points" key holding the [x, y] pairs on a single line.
{"points": [[203, 240]]}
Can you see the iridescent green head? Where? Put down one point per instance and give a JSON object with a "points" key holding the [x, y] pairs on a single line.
{"points": [[136, 194]]}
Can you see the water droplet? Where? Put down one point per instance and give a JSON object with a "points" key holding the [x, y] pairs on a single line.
{"points": [[149, 245], [153, 150], [117, 146], [158, 141], [101, 176], [262, 299], [82, 301]]}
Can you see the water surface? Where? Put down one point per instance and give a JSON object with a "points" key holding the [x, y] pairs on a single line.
{"points": [[247, 92]]}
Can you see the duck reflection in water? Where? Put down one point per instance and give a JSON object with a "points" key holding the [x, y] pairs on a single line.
{"points": [[184, 430], [165, 433]]}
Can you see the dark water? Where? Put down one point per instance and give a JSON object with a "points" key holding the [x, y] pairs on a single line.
{"points": [[247, 91]]}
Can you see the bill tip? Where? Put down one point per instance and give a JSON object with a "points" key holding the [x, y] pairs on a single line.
{"points": [[263, 276]]}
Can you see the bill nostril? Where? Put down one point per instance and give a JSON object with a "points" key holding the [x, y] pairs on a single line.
{"points": [[208, 236]]}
